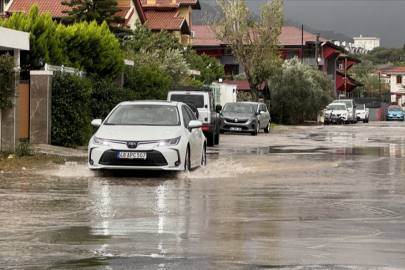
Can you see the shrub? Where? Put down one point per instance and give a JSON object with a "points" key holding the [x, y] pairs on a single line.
{"points": [[24, 149], [147, 82], [71, 110], [106, 95], [7, 79]]}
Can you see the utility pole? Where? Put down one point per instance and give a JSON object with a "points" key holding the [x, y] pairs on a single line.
{"points": [[317, 50]]}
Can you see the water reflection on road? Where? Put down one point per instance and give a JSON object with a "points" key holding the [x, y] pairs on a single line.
{"points": [[310, 200]]}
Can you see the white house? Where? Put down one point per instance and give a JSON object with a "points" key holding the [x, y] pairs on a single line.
{"points": [[368, 43], [397, 85]]}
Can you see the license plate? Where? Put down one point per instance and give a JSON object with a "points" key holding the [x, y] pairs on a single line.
{"points": [[235, 129], [131, 155]]}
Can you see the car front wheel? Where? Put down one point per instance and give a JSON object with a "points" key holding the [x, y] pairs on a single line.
{"points": [[254, 133], [187, 160], [267, 128], [204, 156]]}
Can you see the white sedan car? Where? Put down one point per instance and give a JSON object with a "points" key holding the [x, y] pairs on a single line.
{"points": [[148, 135]]}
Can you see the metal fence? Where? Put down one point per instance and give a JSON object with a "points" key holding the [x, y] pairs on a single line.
{"points": [[66, 69]]}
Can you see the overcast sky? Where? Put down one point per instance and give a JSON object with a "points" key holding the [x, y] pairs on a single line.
{"points": [[384, 19]]}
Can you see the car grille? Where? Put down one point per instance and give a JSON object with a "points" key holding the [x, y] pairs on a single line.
{"points": [[232, 120], [153, 158]]}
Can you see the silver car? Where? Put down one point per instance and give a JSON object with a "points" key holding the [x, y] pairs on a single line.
{"points": [[246, 117]]}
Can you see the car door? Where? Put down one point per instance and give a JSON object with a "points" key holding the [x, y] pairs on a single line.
{"points": [[194, 136], [263, 117], [266, 115]]}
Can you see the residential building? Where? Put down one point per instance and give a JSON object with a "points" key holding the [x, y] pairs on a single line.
{"points": [[330, 58], [397, 84], [368, 43], [173, 15], [131, 9]]}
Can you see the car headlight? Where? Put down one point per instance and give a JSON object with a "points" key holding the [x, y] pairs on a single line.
{"points": [[100, 141], [169, 142], [344, 114]]}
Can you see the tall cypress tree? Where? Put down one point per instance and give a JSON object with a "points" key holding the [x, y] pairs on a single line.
{"points": [[94, 10]]}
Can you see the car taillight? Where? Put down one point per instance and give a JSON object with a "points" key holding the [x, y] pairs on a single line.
{"points": [[205, 128]]}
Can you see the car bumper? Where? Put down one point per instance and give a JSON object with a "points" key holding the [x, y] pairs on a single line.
{"points": [[157, 158], [249, 126], [336, 120], [395, 118]]}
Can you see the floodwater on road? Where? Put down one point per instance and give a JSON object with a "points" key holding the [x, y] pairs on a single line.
{"points": [[316, 197]]}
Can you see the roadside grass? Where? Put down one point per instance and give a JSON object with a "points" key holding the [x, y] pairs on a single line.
{"points": [[11, 162]]}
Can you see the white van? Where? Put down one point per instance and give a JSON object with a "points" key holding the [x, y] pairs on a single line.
{"points": [[351, 107]]}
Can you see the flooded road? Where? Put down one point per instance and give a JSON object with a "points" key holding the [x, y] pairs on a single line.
{"points": [[310, 197]]}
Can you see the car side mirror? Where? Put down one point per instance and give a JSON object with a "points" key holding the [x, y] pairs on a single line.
{"points": [[194, 124], [96, 122], [218, 108]]}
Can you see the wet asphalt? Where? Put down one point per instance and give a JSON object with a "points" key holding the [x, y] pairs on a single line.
{"points": [[306, 197]]}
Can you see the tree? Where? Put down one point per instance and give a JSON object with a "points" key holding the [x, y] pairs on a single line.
{"points": [[365, 73], [210, 68], [144, 39], [7, 80], [93, 48], [362, 69], [254, 44], [94, 10], [44, 39], [147, 82], [299, 91], [81, 45]]}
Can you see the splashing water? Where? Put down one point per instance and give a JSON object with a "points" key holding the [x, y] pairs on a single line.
{"points": [[220, 168]]}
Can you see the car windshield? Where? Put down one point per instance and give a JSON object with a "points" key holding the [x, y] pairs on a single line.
{"points": [[348, 103], [238, 108], [336, 107], [196, 100], [144, 114], [395, 109], [361, 107]]}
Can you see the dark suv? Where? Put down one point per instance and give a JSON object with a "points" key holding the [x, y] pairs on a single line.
{"points": [[201, 101]]}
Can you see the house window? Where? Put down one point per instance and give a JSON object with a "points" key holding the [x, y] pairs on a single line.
{"points": [[1, 6], [399, 79]]}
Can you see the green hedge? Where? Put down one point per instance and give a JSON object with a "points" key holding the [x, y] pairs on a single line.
{"points": [[71, 110], [7, 80]]}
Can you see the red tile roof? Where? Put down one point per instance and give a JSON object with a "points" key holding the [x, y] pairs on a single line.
{"points": [[396, 70], [290, 35], [169, 3], [168, 20], [204, 36], [54, 7]]}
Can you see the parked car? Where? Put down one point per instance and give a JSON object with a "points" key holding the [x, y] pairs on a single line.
{"points": [[351, 106], [336, 113], [148, 135], [201, 101], [362, 113], [394, 112], [245, 117]]}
